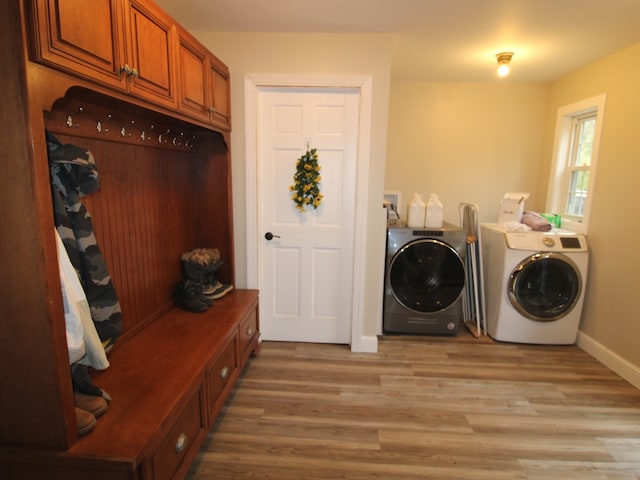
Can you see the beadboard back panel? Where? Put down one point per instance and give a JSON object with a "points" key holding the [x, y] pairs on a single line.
{"points": [[154, 204]]}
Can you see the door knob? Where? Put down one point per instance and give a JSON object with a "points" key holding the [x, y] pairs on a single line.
{"points": [[270, 236]]}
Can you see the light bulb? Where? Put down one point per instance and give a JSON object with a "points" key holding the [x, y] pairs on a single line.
{"points": [[504, 59]]}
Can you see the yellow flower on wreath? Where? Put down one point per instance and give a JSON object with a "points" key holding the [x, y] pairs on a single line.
{"points": [[306, 180]]}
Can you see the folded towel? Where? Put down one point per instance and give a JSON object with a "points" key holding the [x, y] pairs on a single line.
{"points": [[536, 222], [516, 227]]}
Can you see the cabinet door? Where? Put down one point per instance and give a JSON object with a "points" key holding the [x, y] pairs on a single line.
{"points": [[192, 74], [82, 38], [151, 54], [220, 106]]}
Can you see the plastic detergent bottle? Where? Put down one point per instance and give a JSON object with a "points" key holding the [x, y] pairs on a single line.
{"points": [[434, 212], [415, 218]]}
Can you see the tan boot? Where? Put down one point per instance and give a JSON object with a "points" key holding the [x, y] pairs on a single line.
{"points": [[85, 421], [90, 403]]}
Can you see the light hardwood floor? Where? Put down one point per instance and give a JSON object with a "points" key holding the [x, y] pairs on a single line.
{"points": [[425, 408]]}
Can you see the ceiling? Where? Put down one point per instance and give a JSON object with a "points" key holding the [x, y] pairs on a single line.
{"points": [[443, 40]]}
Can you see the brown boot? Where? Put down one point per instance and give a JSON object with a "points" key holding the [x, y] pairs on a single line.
{"points": [[85, 421], [90, 403]]}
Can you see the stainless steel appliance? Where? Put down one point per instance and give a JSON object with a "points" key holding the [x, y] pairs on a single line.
{"points": [[424, 280]]}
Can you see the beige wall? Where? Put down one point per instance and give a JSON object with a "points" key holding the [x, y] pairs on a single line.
{"points": [[611, 315], [472, 143], [307, 53], [465, 142]]}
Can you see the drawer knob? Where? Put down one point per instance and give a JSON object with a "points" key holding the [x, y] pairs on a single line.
{"points": [[249, 331], [181, 442], [224, 373]]}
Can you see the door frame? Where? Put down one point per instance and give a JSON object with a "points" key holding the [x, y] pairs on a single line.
{"points": [[253, 83]]}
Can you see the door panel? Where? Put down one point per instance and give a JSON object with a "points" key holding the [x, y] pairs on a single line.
{"points": [[82, 38], [192, 71], [286, 288], [152, 56], [219, 91], [306, 273]]}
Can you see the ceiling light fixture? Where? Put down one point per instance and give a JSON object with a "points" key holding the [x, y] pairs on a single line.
{"points": [[504, 59]]}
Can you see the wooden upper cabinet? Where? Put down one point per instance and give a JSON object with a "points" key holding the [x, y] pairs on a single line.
{"points": [[204, 82], [193, 61], [136, 48], [219, 92], [123, 44], [80, 37], [151, 45]]}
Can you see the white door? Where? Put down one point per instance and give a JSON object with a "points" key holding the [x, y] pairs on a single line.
{"points": [[306, 269]]}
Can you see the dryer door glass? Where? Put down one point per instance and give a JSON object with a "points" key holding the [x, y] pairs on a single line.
{"points": [[545, 286], [426, 275]]}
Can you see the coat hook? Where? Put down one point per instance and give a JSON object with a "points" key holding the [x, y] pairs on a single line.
{"points": [[146, 136], [165, 133], [100, 126], [69, 121], [123, 130], [176, 142]]}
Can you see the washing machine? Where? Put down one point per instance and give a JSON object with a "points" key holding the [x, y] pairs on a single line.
{"points": [[424, 280], [534, 284]]}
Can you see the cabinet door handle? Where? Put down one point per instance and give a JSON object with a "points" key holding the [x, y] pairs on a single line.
{"points": [[224, 373], [181, 442], [130, 72]]}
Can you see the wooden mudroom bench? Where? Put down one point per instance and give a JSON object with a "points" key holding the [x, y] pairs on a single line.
{"points": [[167, 384], [123, 80]]}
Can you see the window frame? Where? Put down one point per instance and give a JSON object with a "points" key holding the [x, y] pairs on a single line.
{"points": [[561, 168]]}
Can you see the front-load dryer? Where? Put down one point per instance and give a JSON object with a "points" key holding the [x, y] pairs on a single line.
{"points": [[424, 280], [534, 284]]}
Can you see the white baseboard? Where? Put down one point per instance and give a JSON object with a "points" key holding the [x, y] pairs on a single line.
{"points": [[627, 370], [366, 344]]}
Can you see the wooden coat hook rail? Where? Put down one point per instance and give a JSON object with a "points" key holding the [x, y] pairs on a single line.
{"points": [[95, 121]]}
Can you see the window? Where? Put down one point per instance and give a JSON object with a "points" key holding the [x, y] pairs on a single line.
{"points": [[575, 157], [579, 165]]}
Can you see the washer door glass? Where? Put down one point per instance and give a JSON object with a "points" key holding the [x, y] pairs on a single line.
{"points": [[545, 286], [426, 275]]}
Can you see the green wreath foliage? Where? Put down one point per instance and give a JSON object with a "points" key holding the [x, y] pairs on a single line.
{"points": [[306, 188]]}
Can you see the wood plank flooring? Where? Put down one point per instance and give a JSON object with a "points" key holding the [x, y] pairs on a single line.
{"points": [[425, 408]]}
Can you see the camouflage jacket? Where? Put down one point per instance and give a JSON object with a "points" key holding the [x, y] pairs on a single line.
{"points": [[73, 176]]}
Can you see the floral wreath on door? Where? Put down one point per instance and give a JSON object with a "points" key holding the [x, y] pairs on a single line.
{"points": [[306, 181]]}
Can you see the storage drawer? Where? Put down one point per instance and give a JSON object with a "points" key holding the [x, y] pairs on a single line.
{"points": [[221, 371], [248, 329], [178, 442]]}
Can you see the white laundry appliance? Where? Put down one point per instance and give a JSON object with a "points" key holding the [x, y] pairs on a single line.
{"points": [[534, 284]]}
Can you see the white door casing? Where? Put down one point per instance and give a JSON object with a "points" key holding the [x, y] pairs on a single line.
{"points": [[325, 258]]}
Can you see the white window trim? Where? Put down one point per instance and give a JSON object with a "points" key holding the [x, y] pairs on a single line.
{"points": [[561, 147]]}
